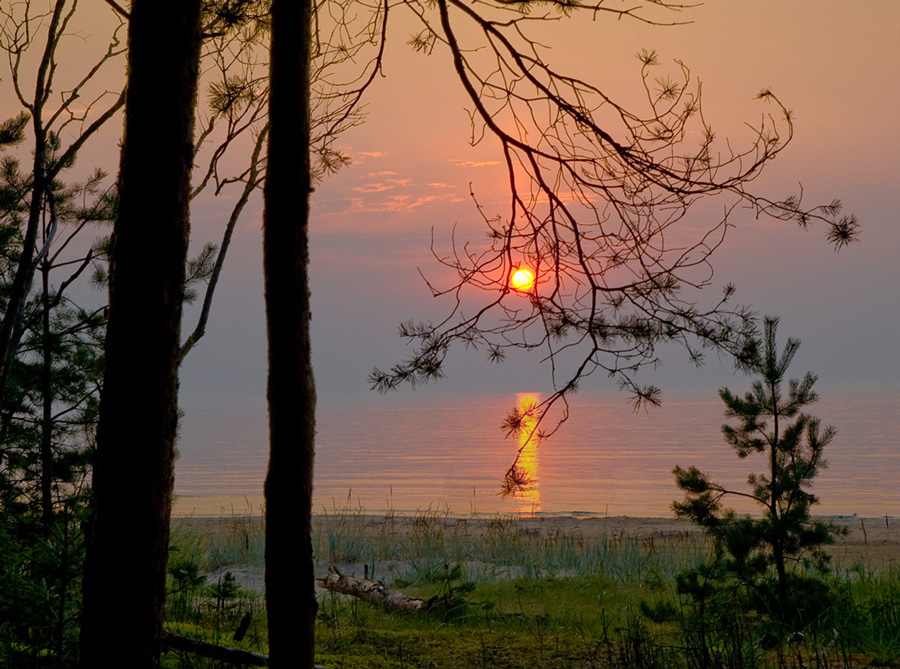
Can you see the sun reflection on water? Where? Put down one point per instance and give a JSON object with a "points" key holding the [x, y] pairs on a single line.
{"points": [[527, 501]]}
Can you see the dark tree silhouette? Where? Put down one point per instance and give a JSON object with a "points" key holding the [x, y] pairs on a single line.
{"points": [[311, 49], [770, 553], [232, 34], [47, 420], [600, 208], [50, 347], [290, 598], [237, 81], [49, 117], [132, 478]]}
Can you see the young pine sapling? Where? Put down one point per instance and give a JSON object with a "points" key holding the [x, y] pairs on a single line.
{"points": [[771, 555]]}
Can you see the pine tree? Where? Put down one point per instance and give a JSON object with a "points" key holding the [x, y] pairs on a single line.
{"points": [[48, 415], [771, 555]]}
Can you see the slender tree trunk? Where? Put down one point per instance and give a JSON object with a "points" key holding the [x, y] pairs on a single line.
{"points": [[290, 594], [124, 584], [47, 403], [18, 293], [778, 538]]}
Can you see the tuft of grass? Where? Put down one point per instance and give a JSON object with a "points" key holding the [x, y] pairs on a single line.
{"points": [[496, 546], [514, 597], [220, 542]]}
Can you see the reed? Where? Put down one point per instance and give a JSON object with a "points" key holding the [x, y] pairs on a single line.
{"points": [[520, 597]]}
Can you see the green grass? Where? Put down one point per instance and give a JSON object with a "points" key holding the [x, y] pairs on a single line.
{"points": [[515, 598]]}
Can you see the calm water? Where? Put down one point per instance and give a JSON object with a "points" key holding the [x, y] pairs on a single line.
{"points": [[603, 460]]}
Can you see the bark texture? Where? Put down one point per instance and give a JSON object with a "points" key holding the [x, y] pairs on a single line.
{"points": [[290, 592], [124, 586]]}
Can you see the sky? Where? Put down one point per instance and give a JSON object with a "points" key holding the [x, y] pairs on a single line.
{"points": [[833, 63], [372, 225]]}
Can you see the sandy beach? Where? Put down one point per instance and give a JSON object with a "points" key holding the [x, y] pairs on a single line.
{"points": [[869, 542]]}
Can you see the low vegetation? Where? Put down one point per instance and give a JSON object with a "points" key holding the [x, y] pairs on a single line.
{"points": [[514, 594]]}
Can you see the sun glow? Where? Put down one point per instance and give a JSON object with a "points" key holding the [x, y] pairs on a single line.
{"points": [[527, 501], [522, 279]]}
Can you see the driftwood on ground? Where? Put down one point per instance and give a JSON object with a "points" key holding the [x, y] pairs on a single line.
{"points": [[371, 591]]}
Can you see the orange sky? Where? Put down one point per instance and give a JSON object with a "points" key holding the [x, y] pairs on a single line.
{"points": [[833, 63]]}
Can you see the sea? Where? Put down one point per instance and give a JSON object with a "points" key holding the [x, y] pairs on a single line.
{"points": [[449, 455]]}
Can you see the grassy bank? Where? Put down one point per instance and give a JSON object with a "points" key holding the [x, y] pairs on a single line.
{"points": [[511, 593]]}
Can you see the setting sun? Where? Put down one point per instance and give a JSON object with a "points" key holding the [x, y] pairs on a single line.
{"points": [[522, 279]]}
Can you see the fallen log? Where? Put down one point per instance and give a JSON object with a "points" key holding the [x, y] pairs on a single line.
{"points": [[220, 653], [371, 591]]}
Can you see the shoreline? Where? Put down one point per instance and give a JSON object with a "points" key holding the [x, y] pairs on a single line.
{"points": [[190, 506], [873, 541]]}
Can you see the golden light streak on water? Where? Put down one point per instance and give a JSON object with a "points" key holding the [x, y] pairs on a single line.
{"points": [[527, 501]]}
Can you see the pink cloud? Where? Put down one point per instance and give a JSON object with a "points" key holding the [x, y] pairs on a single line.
{"points": [[475, 163], [399, 203], [372, 188]]}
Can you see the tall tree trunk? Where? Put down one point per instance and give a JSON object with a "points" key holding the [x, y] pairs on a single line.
{"points": [[290, 594], [124, 585]]}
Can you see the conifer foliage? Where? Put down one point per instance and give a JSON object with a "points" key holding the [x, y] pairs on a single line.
{"points": [[48, 399], [771, 558]]}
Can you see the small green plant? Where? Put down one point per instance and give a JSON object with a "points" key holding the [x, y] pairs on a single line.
{"points": [[774, 562], [184, 586], [225, 592], [455, 589]]}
